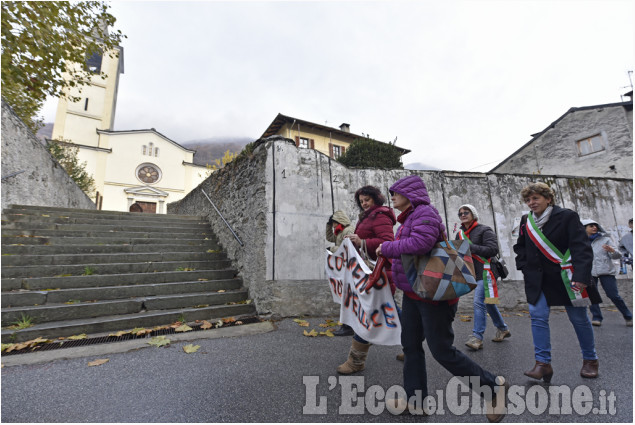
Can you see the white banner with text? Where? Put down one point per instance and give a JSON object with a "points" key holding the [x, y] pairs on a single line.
{"points": [[369, 309]]}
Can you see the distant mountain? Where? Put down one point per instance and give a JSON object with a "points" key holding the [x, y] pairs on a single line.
{"points": [[419, 166], [208, 150]]}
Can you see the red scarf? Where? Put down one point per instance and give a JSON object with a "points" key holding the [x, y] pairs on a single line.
{"points": [[474, 224], [404, 215], [338, 229]]}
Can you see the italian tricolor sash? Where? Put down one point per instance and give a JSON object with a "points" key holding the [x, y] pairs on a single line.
{"points": [[578, 298], [489, 280]]}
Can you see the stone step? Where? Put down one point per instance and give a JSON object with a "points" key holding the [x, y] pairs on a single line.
{"points": [[11, 250], [23, 298], [92, 281], [153, 219], [112, 323], [52, 240], [156, 234], [66, 270], [76, 212], [68, 259], [192, 228], [83, 310]]}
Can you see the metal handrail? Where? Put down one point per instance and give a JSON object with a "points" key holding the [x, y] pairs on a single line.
{"points": [[223, 218], [12, 175]]}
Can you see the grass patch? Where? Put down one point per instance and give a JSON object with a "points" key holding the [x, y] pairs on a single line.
{"points": [[24, 322]]}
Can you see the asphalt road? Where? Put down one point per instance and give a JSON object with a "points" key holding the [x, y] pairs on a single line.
{"points": [[259, 378]]}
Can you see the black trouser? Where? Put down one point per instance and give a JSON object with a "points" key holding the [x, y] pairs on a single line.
{"points": [[424, 321]]}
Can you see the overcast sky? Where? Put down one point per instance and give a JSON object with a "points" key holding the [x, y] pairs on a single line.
{"points": [[462, 84]]}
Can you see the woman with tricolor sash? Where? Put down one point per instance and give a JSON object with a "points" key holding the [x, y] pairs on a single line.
{"points": [[555, 256], [483, 246]]}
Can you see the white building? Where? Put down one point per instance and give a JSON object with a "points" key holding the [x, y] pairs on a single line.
{"points": [[135, 166]]}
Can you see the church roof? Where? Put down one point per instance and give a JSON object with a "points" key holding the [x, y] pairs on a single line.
{"points": [[150, 130]]}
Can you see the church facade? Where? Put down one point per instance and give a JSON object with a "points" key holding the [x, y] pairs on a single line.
{"points": [[132, 168]]}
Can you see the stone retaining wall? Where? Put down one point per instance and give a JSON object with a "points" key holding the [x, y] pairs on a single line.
{"points": [[42, 181], [280, 200]]}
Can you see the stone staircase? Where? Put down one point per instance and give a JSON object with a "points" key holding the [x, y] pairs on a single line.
{"points": [[72, 271]]}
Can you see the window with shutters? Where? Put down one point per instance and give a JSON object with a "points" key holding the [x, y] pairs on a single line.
{"points": [[337, 151], [304, 143]]}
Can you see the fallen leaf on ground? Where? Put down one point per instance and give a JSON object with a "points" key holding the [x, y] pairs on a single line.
{"points": [[327, 333], [98, 362], [206, 325], [183, 328], [119, 334], [76, 337], [220, 291], [239, 322], [229, 319], [312, 333], [159, 341], [189, 348], [302, 323]]}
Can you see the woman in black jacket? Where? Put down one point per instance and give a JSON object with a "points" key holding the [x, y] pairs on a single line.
{"points": [[483, 246], [552, 240]]}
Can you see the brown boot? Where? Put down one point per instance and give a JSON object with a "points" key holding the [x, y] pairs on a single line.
{"points": [[541, 371], [356, 358], [401, 357], [590, 368]]}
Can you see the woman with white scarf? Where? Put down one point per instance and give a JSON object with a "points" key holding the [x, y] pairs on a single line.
{"points": [[555, 256]]}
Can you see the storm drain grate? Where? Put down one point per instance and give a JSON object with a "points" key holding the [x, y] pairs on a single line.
{"points": [[56, 345]]}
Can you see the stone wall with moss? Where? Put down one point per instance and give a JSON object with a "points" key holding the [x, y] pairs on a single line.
{"points": [[281, 198]]}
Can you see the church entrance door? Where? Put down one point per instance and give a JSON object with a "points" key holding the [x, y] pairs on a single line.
{"points": [[148, 207]]}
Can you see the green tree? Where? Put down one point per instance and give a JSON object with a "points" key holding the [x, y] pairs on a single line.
{"points": [[66, 154], [41, 43], [369, 153]]}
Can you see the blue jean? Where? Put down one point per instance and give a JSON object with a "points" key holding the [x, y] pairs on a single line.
{"points": [[542, 338], [424, 321], [480, 313], [609, 283]]}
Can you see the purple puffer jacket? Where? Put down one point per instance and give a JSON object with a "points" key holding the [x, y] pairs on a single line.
{"points": [[418, 233]]}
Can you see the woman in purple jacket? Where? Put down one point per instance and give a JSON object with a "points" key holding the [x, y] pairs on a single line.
{"points": [[421, 228]]}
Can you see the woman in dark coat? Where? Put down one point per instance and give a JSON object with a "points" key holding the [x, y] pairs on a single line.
{"points": [[546, 227], [374, 227], [483, 246]]}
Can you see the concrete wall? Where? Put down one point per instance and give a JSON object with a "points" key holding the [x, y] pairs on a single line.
{"points": [[281, 199], [555, 150], [44, 181]]}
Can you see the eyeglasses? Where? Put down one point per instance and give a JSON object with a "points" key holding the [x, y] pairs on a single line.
{"points": [[463, 213]]}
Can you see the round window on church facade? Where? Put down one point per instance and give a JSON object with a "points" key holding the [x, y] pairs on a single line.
{"points": [[148, 173]]}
